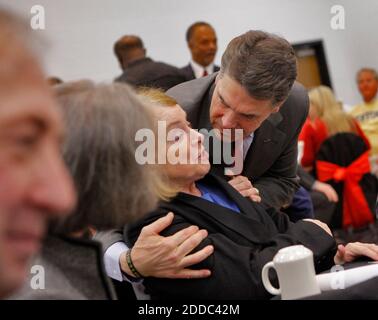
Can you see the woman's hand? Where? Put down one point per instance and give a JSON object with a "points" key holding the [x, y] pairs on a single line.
{"points": [[354, 250], [168, 257]]}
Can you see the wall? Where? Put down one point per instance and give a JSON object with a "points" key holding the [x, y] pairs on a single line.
{"points": [[81, 33]]}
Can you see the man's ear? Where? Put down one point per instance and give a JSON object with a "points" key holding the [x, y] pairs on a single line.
{"points": [[277, 107]]}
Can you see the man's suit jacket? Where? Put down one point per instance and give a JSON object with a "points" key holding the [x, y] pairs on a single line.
{"points": [[188, 72], [148, 73], [271, 161], [244, 242]]}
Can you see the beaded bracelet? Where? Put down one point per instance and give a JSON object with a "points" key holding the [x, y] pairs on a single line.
{"points": [[131, 265]]}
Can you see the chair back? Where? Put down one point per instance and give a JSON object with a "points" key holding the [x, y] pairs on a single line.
{"points": [[343, 162]]}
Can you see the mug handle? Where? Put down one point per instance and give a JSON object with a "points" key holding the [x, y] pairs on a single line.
{"points": [[265, 278]]}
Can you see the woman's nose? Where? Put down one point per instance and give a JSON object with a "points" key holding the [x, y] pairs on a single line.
{"points": [[197, 136]]}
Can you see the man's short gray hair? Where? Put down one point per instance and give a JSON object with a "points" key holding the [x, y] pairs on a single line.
{"points": [[264, 64]]}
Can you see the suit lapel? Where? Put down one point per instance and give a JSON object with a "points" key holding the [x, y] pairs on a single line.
{"points": [[265, 148]]}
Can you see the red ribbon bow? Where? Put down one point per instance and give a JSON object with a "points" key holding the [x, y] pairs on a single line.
{"points": [[356, 211]]}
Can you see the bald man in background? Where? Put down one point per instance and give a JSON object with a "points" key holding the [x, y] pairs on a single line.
{"points": [[141, 71]]}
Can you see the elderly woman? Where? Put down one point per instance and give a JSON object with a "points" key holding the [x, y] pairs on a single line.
{"points": [[245, 236], [113, 190]]}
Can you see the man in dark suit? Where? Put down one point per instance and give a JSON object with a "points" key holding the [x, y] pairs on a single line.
{"points": [[202, 43], [139, 70], [254, 91]]}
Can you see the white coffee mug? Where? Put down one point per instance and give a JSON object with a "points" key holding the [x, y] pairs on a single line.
{"points": [[296, 273]]}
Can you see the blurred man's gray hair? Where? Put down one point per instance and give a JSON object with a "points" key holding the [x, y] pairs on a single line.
{"points": [[101, 121]]}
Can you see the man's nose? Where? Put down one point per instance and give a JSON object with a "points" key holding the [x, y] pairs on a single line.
{"points": [[53, 187], [228, 120]]}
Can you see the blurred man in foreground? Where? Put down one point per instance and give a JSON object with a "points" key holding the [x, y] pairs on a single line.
{"points": [[34, 183]]}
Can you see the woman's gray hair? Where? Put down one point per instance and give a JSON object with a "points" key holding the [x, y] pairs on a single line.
{"points": [[99, 149]]}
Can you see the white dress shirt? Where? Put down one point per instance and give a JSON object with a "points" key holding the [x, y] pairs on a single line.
{"points": [[111, 260], [198, 69], [247, 144]]}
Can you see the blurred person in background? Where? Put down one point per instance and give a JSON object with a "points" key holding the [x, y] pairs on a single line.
{"points": [[202, 43], [140, 70], [366, 112], [325, 118]]}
